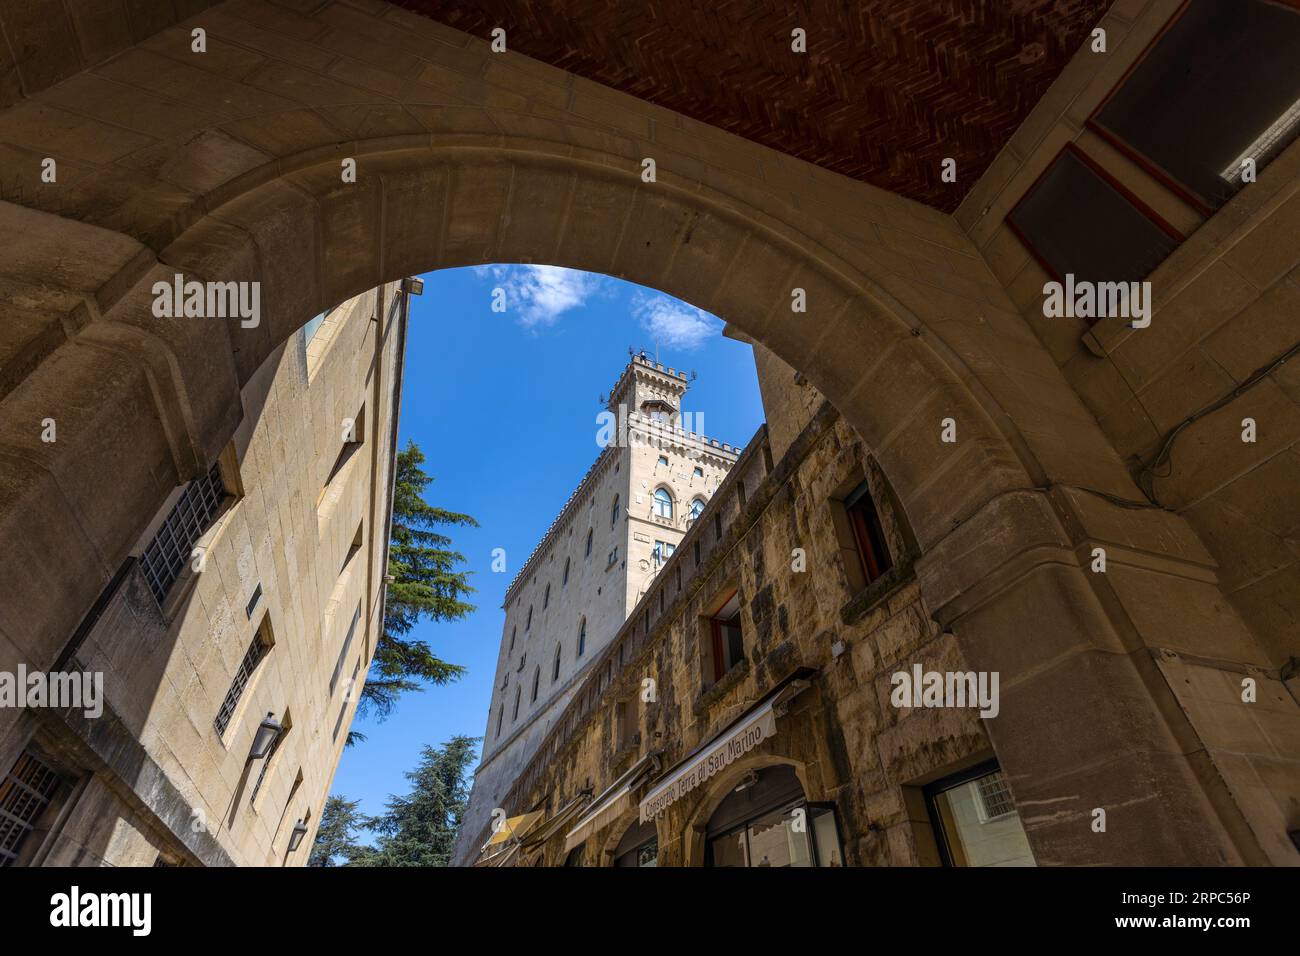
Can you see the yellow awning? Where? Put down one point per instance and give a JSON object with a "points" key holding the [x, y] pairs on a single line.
{"points": [[514, 827]]}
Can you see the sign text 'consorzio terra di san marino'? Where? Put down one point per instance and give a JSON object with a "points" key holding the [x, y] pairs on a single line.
{"points": [[748, 734]]}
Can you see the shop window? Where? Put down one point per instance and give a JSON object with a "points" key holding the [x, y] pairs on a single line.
{"points": [[1077, 220], [725, 643], [1218, 86], [866, 555], [31, 795], [639, 846], [766, 821], [975, 820]]}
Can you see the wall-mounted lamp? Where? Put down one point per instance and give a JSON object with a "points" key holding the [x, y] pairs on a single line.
{"points": [[748, 780], [295, 838], [268, 731]]}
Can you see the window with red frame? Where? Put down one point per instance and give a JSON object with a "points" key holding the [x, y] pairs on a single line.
{"points": [[727, 639], [868, 535]]}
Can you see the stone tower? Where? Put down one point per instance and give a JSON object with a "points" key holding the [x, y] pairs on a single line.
{"points": [[654, 472]]}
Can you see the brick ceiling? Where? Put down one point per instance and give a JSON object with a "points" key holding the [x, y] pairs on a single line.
{"points": [[887, 89]]}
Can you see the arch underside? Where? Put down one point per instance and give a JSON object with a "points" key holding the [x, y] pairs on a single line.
{"points": [[905, 328]]}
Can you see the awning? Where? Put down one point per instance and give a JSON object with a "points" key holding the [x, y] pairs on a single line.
{"points": [[613, 802], [514, 827], [730, 745], [542, 833]]}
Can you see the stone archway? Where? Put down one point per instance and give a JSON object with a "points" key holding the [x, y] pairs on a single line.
{"points": [[694, 822], [905, 327]]}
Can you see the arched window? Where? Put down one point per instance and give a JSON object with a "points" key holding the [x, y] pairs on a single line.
{"points": [[515, 713], [588, 554], [639, 846], [769, 822], [501, 717], [582, 636], [555, 668], [663, 503], [564, 582], [613, 513], [546, 598], [537, 679], [697, 507]]}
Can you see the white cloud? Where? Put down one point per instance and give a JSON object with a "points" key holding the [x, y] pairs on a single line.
{"points": [[538, 295], [674, 323]]}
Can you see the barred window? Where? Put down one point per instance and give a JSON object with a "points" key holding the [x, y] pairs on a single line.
{"points": [[252, 657], [995, 796], [24, 795], [189, 519], [266, 761]]}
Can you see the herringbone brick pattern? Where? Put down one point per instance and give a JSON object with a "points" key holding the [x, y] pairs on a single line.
{"points": [[886, 90]]}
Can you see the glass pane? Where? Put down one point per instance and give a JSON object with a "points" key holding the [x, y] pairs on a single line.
{"points": [[826, 838], [774, 842], [1220, 85], [648, 855], [312, 327], [1079, 224], [981, 825], [729, 850]]}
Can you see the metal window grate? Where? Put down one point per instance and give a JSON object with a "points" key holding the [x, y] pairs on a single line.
{"points": [[191, 517], [24, 794], [996, 796], [252, 657], [266, 764]]}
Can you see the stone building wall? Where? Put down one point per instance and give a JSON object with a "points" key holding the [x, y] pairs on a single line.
{"points": [[298, 552], [848, 745], [913, 316], [1172, 399], [545, 614]]}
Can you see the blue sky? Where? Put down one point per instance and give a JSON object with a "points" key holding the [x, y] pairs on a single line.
{"points": [[504, 406]]}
